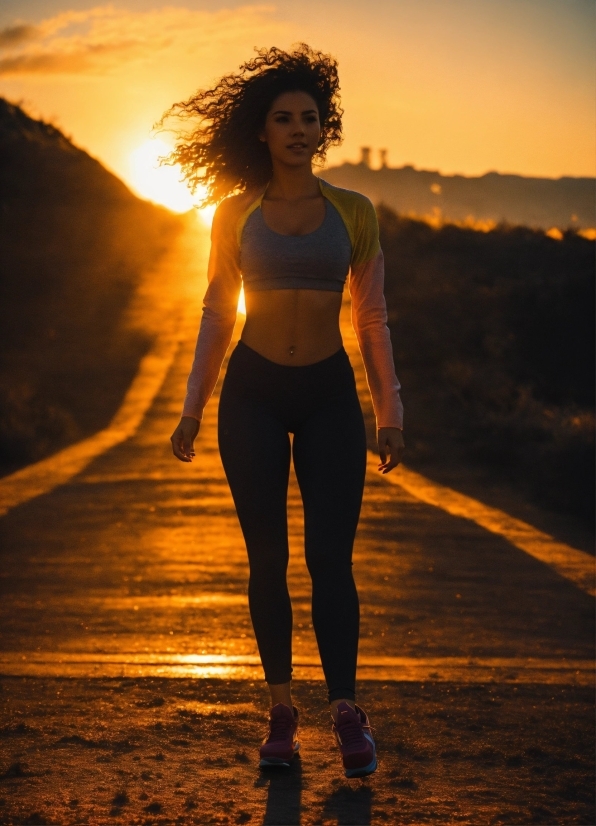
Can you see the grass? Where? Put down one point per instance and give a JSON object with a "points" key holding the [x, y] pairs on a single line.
{"points": [[494, 345]]}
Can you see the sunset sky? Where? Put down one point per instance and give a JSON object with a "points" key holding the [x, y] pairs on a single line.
{"points": [[461, 86]]}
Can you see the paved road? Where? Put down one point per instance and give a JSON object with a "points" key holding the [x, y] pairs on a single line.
{"points": [[130, 581]]}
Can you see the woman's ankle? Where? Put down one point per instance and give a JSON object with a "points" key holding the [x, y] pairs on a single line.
{"points": [[281, 693]]}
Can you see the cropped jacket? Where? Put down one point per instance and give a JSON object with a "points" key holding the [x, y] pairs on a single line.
{"points": [[366, 277]]}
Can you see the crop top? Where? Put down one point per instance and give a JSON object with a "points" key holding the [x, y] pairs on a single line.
{"points": [[243, 247], [319, 260]]}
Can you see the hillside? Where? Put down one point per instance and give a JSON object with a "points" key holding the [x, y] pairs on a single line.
{"points": [[493, 334], [492, 198], [74, 244]]}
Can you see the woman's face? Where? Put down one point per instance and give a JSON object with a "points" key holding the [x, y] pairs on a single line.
{"points": [[292, 128]]}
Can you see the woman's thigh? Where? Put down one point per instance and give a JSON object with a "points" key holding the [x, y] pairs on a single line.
{"points": [[255, 450], [330, 461]]}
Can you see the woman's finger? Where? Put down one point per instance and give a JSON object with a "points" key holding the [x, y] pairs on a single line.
{"points": [[177, 440], [188, 446], [183, 439], [394, 460], [382, 443], [390, 442], [389, 464]]}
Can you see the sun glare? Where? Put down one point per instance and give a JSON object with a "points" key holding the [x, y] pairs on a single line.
{"points": [[241, 302], [163, 184]]}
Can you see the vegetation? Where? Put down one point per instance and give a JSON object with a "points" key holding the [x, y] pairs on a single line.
{"points": [[493, 331], [74, 243], [494, 341]]}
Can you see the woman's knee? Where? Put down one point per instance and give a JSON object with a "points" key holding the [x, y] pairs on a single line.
{"points": [[269, 565], [329, 568]]}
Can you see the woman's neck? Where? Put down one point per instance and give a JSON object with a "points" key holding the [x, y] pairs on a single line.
{"points": [[292, 184]]}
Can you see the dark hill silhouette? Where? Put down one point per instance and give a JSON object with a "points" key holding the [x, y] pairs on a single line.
{"points": [[493, 334], [74, 243], [534, 202]]}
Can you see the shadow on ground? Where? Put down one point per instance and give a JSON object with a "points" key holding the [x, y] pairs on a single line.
{"points": [[156, 751]]}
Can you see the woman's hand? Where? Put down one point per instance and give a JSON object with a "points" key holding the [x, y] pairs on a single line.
{"points": [[391, 447], [183, 437]]}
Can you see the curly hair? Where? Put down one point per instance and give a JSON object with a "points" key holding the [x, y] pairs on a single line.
{"points": [[221, 151]]}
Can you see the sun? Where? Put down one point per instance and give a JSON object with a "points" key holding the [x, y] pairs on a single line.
{"points": [[162, 184]]}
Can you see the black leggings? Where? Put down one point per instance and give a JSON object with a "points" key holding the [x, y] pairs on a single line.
{"points": [[261, 404]]}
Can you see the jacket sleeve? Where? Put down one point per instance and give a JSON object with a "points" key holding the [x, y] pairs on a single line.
{"points": [[219, 312], [369, 319]]}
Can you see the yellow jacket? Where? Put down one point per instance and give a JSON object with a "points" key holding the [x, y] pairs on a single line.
{"points": [[369, 312]]}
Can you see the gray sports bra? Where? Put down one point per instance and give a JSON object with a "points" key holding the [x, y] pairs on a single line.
{"points": [[319, 260]]}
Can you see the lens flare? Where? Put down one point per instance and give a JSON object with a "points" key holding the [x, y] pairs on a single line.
{"points": [[160, 184], [241, 302]]}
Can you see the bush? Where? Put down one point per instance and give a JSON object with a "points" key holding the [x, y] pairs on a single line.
{"points": [[494, 342]]}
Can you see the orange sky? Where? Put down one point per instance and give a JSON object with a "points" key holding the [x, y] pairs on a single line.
{"points": [[462, 86]]}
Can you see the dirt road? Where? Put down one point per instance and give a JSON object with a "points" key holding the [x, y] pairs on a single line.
{"points": [[132, 693]]}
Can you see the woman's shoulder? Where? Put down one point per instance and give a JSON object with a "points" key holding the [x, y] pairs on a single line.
{"points": [[359, 217], [351, 199], [234, 206], [356, 210], [231, 213]]}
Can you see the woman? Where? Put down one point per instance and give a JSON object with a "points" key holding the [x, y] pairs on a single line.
{"points": [[291, 239]]}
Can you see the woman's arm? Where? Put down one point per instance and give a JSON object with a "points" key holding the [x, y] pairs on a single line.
{"points": [[369, 319], [215, 333]]}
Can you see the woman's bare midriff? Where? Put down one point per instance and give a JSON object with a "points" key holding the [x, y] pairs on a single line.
{"points": [[293, 327]]}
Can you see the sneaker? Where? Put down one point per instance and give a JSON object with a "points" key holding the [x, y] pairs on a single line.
{"points": [[354, 738], [282, 743]]}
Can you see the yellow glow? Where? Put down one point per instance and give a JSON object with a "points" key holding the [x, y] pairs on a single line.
{"points": [[241, 302], [446, 99], [206, 214], [589, 233], [555, 233], [160, 184], [163, 184], [575, 565]]}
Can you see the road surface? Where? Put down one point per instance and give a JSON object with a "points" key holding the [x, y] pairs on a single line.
{"points": [[131, 687]]}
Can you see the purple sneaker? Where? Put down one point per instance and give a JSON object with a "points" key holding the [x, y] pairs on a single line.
{"points": [[354, 738], [280, 746]]}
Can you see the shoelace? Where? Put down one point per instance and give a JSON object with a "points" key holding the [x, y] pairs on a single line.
{"points": [[279, 728], [351, 734]]}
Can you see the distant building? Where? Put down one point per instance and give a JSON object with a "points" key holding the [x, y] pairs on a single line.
{"points": [[383, 157], [365, 155]]}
